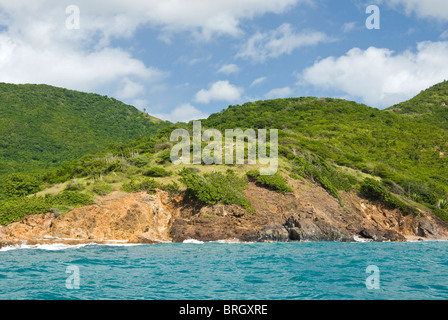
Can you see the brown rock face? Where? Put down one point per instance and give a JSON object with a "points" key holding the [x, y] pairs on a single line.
{"points": [[309, 214], [136, 218]]}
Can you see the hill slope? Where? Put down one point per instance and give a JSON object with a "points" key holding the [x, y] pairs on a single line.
{"points": [[409, 151], [42, 126], [350, 151], [430, 105]]}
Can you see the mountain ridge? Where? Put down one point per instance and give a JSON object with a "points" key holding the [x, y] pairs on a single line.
{"points": [[43, 126], [429, 105], [393, 161]]}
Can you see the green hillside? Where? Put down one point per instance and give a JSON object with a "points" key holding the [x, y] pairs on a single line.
{"points": [[42, 126], [374, 141], [429, 106], [396, 158]]}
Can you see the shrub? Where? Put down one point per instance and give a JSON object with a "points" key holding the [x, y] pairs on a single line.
{"points": [[13, 210], [327, 185], [140, 161], [216, 188], [189, 170], [172, 188], [442, 214], [373, 190], [18, 185], [320, 171], [74, 186], [420, 191], [164, 157], [384, 171], [275, 182], [442, 204], [157, 172], [147, 184], [71, 198], [102, 189]]}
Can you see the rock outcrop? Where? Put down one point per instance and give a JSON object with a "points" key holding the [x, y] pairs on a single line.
{"points": [[136, 218], [308, 214]]}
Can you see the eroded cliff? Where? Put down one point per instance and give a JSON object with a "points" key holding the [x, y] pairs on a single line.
{"points": [[308, 214]]}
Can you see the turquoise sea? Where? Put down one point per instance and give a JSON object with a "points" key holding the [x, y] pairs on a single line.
{"points": [[226, 271]]}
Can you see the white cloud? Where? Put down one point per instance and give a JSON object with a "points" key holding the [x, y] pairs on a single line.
{"points": [[258, 81], [381, 77], [285, 92], [183, 113], [444, 35], [116, 18], [21, 62], [348, 26], [140, 103], [229, 69], [129, 89], [437, 9], [36, 46], [283, 40], [219, 91]]}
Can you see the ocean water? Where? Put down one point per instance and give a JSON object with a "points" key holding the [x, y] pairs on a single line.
{"points": [[227, 271]]}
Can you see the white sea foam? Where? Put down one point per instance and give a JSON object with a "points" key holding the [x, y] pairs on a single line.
{"points": [[194, 241], [122, 244], [361, 240], [227, 241], [61, 246], [48, 247]]}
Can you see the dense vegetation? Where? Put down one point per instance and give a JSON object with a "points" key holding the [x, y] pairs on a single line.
{"points": [[393, 156], [15, 209], [320, 135], [43, 126], [275, 182], [216, 187], [429, 106]]}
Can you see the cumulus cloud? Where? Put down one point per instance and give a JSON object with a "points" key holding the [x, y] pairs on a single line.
{"points": [[283, 40], [285, 92], [130, 89], [437, 9], [381, 77], [183, 113], [258, 81], [219, 91], [229, 69], [36, 46], [122, 18], [74, 69]]}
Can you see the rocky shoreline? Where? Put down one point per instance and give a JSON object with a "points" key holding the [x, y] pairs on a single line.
{"points": [[308, 214]]}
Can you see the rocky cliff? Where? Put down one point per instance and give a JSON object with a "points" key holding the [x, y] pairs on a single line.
{"points": [[308, 214]]}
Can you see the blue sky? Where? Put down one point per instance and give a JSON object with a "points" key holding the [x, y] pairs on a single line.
{"points": [[185, 59]]}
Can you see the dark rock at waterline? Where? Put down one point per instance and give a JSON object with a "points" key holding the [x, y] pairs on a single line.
{"points": [[381, 235], [314, 230], [274, 233], [426, 230], [303, 230]]}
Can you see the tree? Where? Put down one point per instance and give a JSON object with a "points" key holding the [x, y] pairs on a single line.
{"points": [[18, 185]]}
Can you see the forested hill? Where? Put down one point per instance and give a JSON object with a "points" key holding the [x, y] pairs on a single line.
{"points": [[395, 157], [430, 106], [42, 126], [408, 152]]}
